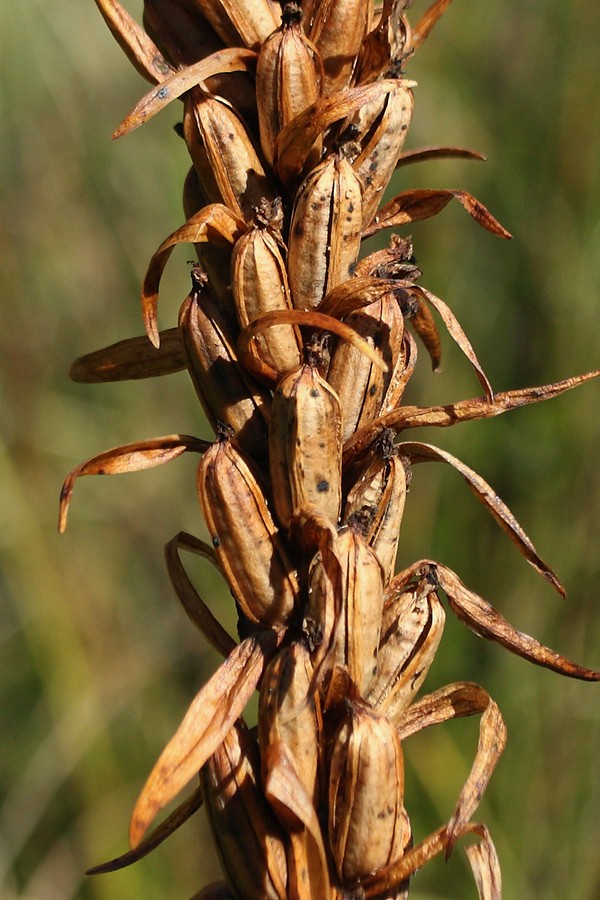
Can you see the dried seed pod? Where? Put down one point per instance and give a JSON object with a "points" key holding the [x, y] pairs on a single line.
{"points": [[325, 231], [238, 22], [337, 28], [361, 386], [305, 446], [260, 285], [411, 630], [248, 545], [251, 844], [358, 628], [288, 713], [214, 259], [226, 391], [227, 163], [382, 487], [368, 825], [288, 79], [384, 124]]}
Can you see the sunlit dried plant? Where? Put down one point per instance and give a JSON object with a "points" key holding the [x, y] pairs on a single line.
{"points": [[300, 352]]}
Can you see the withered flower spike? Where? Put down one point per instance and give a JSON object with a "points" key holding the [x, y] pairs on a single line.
{"points": [[174, 821], [128, 458]]}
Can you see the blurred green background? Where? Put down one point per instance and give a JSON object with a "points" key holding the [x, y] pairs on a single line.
{"points": [[98, 663]]}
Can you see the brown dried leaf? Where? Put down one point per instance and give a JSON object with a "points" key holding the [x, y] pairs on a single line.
{"points": [[300, 317], [435, 152], [193, 604], [418, 204], [214, 224], [430, 17], [417, 452], [211, 715], [141, 52], [128, 458], [295, 140], [485, 866], [485, 621], [130, 359], [463, 411], [456, 701], [234, 59], [179, 815]]}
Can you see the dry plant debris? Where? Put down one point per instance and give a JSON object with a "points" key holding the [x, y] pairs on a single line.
{"points": [[295, 118]]}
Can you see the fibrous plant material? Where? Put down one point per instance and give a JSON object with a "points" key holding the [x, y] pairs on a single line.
{"points": [[300, 351]]}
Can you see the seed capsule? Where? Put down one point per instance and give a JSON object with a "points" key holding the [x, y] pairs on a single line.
{"points": [[249, 839], [337, 28], [248, 545], [361, 386], [384, 124], [288, 713], [260, 285], [305, 446], [381, 487], [411, 630], [288, 79], [238, 23], [325, 231], [228, 166], [359, 625], [368, 825], [227, 393]]}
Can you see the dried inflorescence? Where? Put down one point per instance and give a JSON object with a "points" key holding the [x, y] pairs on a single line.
{"points": [[300, 352]]}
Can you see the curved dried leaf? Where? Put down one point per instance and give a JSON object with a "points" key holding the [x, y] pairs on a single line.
{"points": [[130, 359], [193, 604], [485, 621], [418, 204], [296, 139], [141, 52], [463, 411], [214, 224], [418, 452], [430, 17], [485, 866], [456, 701], [128, 458], [356, 293], [300, 317], [435, 152], [211, 715], [180, 815], [233, 59]]}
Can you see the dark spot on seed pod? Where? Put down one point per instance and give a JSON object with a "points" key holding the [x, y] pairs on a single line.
{"points": [[231, 136], [404, 128], [351, 207], [216, 541], [322, 445], [323, 486], [298, 444], [163, 93], [372, 390], [315, 206], [298, 229], [314, 392]]}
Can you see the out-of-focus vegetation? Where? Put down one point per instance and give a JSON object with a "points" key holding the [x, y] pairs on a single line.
{"points": [[98, 663]]}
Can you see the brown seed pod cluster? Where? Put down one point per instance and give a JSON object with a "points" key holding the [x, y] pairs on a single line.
{"points": [[300, 350]]}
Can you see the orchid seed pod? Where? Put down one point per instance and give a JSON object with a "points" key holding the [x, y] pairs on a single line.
{"points": [[228, 166], [289, 713], [260, 285], [325, 232], [238, 23], [305, 446], [361, 386], [337, 28], [358, 629], [288, 79], [208, 344], [368, 825], [248, 546], [381, 486], [214, 259], [384, 124], [251, 844], [411, 629]]}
